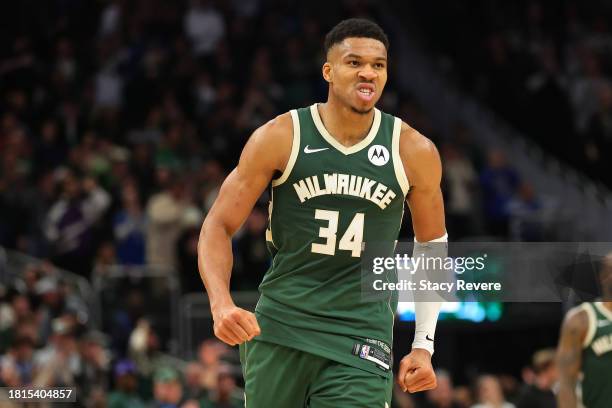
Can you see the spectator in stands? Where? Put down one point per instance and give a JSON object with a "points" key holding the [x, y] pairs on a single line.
{"points": [[70, 222], [167, 388], [126, 382], [225, 394], [15, 308], [187, 251], [146, 351], [499, 182], [540, 394], [252, 252], [460, 180], [193, 381], [442, 395], [95, 364], [19, 361], [489, 392], [204, 26], [164, 213], [209, 355], [57, 364], [526, 215], [402, 399], [129, 227]]}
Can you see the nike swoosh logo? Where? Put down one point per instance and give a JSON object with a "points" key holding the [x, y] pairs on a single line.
{"points": [[427, 337], [307, 149], [602, 323]]}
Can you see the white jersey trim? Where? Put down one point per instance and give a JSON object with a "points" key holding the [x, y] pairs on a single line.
{"points": [[400, 173], [295, 149], [314, 111], [588, 308]]}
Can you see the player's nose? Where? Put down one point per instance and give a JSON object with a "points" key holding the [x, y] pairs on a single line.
{"points": [[367, 73]]}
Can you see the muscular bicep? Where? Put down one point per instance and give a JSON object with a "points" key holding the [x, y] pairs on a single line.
{"points": [[424, 171], [569, 350], [427, 210], [236, 199], [266, 152]]}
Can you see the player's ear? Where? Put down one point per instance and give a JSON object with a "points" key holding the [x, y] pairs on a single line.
{"points": [[327, 72]]}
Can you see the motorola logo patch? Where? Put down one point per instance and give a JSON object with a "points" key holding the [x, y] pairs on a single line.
{"points": [[378, 155]]}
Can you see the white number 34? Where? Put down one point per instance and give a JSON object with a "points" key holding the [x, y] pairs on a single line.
{"points": [[350, 241]]}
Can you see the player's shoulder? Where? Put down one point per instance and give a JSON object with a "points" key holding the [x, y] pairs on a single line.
{"points": [[277, 132], [577, 318], [415, 145], [271, 142], [276, 129], [419, 156]]}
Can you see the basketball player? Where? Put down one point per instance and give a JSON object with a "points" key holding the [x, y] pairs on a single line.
{"points": [[586, 346], [340, 173]]}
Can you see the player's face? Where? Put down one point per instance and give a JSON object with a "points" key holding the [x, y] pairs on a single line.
{"points": [[356, 70]]}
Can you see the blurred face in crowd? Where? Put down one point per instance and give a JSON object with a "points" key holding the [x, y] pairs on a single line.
{"points": [[489, 390], [496, 159], [210, 352], [21, 306], [168, 391], [225, 385], [126, 382], [356, 70], [24, 349], [547, 376], [193, 375], [71, 186], [443, 394], [9, 375]]}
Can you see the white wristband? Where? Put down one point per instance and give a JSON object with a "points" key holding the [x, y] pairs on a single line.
{"points": [[426, 313]]}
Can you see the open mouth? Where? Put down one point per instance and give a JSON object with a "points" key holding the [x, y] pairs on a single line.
{"points": [[365, 93]]}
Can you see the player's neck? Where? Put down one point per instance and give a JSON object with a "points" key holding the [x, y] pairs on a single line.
{"points": [[345, 125], [607, 305]]}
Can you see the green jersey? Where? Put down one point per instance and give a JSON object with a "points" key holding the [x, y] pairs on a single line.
{"points": [[597, 357], [328, 203]]}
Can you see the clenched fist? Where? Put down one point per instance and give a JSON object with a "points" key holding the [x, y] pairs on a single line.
{"points": [[234, 325], [416, 373]]}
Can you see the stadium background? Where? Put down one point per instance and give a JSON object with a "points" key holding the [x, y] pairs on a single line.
{"points": [[120, 119]]}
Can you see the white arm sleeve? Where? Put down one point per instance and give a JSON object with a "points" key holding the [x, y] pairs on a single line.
{"points": [[426, 313]]}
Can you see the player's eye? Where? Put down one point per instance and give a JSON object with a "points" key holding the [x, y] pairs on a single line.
{"points": [[353, 63], [379, 65]]}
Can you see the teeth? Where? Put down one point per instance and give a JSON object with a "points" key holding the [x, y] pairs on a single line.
{"points": [[365, 91]]}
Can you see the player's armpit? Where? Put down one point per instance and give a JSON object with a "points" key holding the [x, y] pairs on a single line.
{"points": [[423, 169], [569, 356]]}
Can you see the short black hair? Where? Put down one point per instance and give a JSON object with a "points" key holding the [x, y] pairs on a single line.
{"points": [[354, 27]]}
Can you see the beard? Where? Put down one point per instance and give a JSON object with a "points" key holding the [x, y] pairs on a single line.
{"points": [[361, 111]]}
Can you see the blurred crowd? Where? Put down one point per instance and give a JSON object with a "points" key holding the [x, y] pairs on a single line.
{"points": [[118, 122], [545, 66], [535, 390], [46, 340]]}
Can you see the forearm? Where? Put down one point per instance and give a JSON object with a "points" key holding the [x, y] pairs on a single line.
{"points": [[427, 308], [215, 262], [566, 398]]}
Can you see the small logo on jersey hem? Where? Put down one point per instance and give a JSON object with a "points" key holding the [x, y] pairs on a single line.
{"points": [[427, 338], [307, 149], [378, 155]]}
